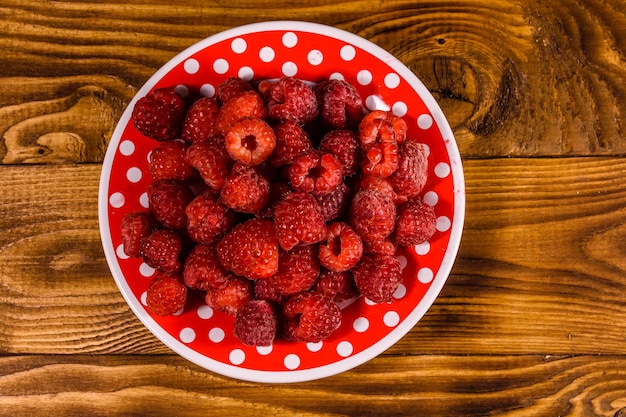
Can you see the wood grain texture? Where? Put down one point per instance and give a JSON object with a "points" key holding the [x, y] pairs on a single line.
{"points": [[541, 266], [515, 78], [387, 386]]}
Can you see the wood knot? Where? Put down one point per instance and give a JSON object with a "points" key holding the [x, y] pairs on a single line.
{"points": [[620, 413]]}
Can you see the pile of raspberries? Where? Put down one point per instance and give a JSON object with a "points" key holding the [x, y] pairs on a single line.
{"points": [[275, 202]]}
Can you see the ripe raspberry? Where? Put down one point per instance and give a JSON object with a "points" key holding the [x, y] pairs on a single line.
{"points": [[207, 219], [337, 286], [167, 200], [158, 114], [372, 215], [381, 160], [410, 177], [381, 126], [377, 276], [231, 297], [161, 249], [166, 294], [278, 191], [202, 269], [291, 142], [385, 246], [211, 160], [291, 99], [231, 87], [341, 106], [250, 249], [256, 323], [344, 144], [245, 190], [200, 121], [297, 270], [244, 105], [310, 317], [250, 141], [335, 204], [383, 186], [168, 161], [265, 289], [341, 249], [416, 223], [315, 173], [135, 227], [298, 220]]}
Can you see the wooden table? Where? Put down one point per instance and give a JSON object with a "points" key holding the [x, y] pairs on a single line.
{"points": [[532, 320]]}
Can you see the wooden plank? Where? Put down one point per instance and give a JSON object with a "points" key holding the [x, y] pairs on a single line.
{"points": [[436, 385], [514, 78], [540, 268]]}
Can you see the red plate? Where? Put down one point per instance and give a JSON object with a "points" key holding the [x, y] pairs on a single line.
{"points": [[313, 53]]}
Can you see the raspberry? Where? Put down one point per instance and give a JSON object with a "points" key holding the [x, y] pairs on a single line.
{"points": [[291, 142], [207, 219], [250, 141], [167, 200], [250, 249], [381, 160], [211, 160], [385, 246], [291, 99], [256, 323], [202, 269], [341, 106], [381, 126], [372, 215], [341, 249], [265, 289], [168, 161], [160, 250], [166, 294], [231, 87], [297, 270], [334, 204], [229, 298], [245, 190], [416, 223], [158, 114], [410, 177], [135, 227], [298, 220], [315, 173], [344, 144], [244, 105], [377, 276], [278, 191], [310, 317], [200, 121], [383, 186], [337, 286]]}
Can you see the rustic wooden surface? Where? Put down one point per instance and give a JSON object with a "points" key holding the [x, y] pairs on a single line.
{"points": [[532, 321]]}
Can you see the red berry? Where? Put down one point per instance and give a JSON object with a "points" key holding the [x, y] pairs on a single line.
{"points": [[250, 249], [168, 161], [166, 294], [377, 276], [135, 227], [200, 121], [416, 223], [244, 105], [372, 215], [298, 220], [383, 186], [256, 323], [167, 200], [250, 141], [385, 246], [231, 297], [341, 249], [211, 160], [337, 286], [380, 160], [245, 190], [291, 99], [207, 219], [161, 249], [265, 289], [381, 126], [297, 270], [344, 144], [341, 106], [158, 114], [310, 317], [231, 87], [315, 173], [410, 177], [291, 142], [335, 204], [278, 191], [202, 269]]}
